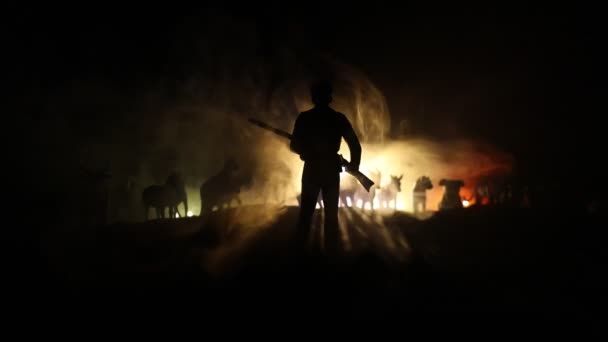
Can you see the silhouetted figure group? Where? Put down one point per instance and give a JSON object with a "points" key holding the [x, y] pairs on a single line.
{"points": [[351, 192], [501, 191], [353, 195], [219, 191]]}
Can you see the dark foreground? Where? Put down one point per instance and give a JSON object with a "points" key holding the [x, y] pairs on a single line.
{"points": [[543, 263]]}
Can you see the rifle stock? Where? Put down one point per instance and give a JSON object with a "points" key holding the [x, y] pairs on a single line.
{"points": [[359, 176]]}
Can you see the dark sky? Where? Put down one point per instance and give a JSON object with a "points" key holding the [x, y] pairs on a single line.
{"points": [[529, 80]]}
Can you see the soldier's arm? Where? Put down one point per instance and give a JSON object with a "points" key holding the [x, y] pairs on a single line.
{"points": [[353, 144], [296, 137]]}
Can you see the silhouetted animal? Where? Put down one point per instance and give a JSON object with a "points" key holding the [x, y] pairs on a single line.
{"points": [[494, 190], [175, 179], [451, 196], [389, 192], [498, 191], [511, 191], [348, 188], [421, 185], [221, 189], [365, 196], [168, 195], [481, 193]]}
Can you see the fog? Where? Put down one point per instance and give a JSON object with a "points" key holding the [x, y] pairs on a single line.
{"points": [[194, 122]]}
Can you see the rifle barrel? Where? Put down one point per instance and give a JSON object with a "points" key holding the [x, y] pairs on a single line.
{"points": [[270, 128]]}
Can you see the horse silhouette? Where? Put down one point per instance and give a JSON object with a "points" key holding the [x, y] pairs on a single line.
{"points": [[168, 195], [222, 189]]}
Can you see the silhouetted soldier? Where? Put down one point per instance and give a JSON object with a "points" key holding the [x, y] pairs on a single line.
{"points": [[317, 136]]}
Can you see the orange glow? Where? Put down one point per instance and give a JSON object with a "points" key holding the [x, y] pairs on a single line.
{"points": [[410, 158]]}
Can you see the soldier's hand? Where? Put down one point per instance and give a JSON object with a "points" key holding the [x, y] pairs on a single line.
{"points": [[352, 168]]}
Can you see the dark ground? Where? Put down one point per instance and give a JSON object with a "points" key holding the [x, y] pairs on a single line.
{"points": [[537, 263]]}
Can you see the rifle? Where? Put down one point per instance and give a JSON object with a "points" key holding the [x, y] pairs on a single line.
{"points": [[363, 179]]}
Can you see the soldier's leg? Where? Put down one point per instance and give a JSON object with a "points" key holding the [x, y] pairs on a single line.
{"points": [[308, 200], [331, 194]]}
